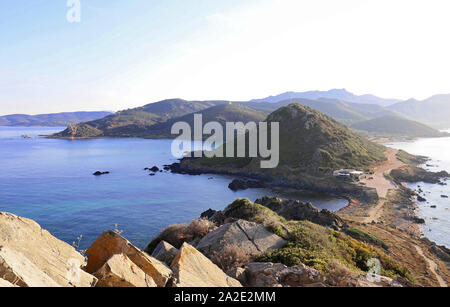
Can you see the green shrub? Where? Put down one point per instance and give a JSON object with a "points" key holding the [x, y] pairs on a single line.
{"points": [[363, 236]]}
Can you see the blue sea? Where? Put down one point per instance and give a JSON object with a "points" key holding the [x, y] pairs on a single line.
{"points": [[437, 226], [51, 182]]}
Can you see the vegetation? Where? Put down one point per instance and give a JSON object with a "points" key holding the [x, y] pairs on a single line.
{"points": [[222, 114], [317, 246], [410, 159], [364, 236], [156, 119], [179, 233], [392, 125], [230, 257], [247, 210], [310, 142]]}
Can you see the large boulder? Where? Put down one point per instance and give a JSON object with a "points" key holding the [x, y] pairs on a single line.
{"points": [[377, 281], [299, 211], [164, 252], [279, 275], [57, 259], [192, 269], [252, 238], [120, 271], [5, 284], [18, 270], [110, 243]]}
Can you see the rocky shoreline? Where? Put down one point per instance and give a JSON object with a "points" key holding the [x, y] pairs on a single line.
{"points": [[245, 179]]}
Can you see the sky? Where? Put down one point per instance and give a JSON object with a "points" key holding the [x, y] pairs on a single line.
{"points": [[124, 54]]}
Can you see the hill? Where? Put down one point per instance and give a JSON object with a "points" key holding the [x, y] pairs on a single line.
{"points": [[343, 111], [137, 121], [50, 120], [434, 111], [312, 146], [156, 120], [340, 94], [392, 125], [221, 113]]}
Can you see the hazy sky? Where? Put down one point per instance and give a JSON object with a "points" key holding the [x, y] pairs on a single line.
{"points": [[128, 53]]}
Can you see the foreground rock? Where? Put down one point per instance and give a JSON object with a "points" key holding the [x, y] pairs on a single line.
{"points": [[120, 271], [277, 275], [164, 252], [192, 269], [378, 281], [252, 238], [298, 211], [18, 270], [110, 243], [55, 258], [5, 284]]}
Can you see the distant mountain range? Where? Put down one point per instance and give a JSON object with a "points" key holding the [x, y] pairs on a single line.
{"points": [[50, 120], [434, 111], [340, 94], [408, 118], [155, 120]]}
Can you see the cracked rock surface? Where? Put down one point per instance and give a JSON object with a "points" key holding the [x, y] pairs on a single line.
{"points": [[252, 238]]}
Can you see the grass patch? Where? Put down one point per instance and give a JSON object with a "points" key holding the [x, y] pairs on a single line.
{"points": [[366, 237]]}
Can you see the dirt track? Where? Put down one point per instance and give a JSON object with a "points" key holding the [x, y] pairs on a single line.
{"points": [[381, 184]]}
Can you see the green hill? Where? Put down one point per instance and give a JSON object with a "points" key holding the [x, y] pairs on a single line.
{"points": [[155, 120], [312, 145], [136, 122], [396, 126], [309, 138], [222, 113], [50, 120]]}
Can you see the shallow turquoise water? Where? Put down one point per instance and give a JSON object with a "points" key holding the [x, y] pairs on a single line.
{"points": [[51, 182]]}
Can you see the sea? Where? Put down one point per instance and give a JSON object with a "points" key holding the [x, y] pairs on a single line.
{"points": [[51, 181], [437, 220]]}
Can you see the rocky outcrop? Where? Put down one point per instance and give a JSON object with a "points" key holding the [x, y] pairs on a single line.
{"points": [[252, 238], [5, 284], [164, 252], [192, 269], [99, 173], [208, 214], [244, 184], [18, 270], [120, 271], [416, 174], [298, 211], [55, 258], [278, 275], [378, 281], [110, 243]]}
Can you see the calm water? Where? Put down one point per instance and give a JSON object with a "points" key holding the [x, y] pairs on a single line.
{"points": [[437, 227], [51, 182]]}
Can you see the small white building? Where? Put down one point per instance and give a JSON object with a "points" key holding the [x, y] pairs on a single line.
{"points": [[348, 173]]}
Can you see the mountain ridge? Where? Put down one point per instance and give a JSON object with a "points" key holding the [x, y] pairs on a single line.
{"points": [[342, 94], [51, 119]]}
